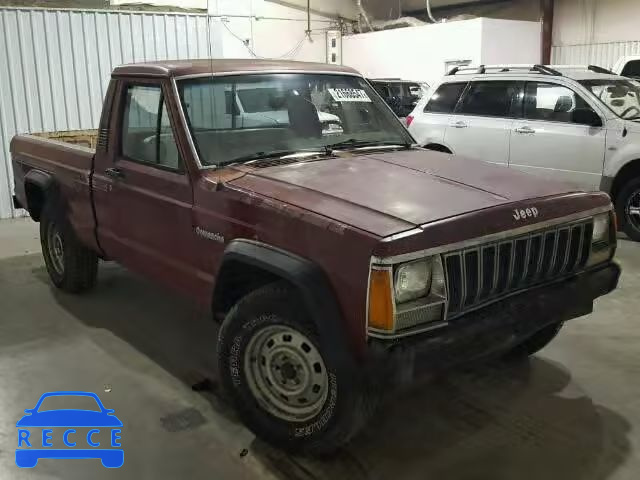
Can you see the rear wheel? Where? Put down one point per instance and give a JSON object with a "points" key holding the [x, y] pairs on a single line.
{"points": [[285, 387], [628, 208], [71, 266]]}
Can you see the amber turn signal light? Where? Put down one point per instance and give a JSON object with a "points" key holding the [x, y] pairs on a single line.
{"points": [[380, 303]]}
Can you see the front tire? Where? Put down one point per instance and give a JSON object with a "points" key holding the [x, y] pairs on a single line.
{"points": [[627, 205], [72, 267], [285, 387], [536, 342]]}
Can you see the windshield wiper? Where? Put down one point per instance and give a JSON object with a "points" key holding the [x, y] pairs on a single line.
{"points": [[354, 143], [273, 154]]}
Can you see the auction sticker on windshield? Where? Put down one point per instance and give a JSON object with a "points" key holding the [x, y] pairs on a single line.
{"points": [[349, 95]]}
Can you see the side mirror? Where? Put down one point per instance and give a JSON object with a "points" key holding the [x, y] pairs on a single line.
{"points": [[586, 116]]}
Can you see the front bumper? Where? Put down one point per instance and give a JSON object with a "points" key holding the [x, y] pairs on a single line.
{"points": [[491, 329]]}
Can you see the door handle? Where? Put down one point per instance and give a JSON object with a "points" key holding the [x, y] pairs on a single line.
{"points": [[114, 172], [459, 125], [525, 130]]}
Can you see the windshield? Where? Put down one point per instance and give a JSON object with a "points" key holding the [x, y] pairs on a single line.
{"points": [[257, 99], [237, 118], [621, 96]]}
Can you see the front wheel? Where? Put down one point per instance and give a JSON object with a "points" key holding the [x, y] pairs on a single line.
{"points": [[536, 342], [628, 208], [286, 389]]}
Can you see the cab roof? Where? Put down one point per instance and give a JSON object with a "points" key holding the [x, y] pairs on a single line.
{"points": [[180, 68]]}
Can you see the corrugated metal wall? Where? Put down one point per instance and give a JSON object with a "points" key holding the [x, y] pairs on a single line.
{"points": [[602, 54], [55, 66]]}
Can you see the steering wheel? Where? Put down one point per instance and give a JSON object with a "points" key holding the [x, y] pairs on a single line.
{"points": [[630, 109]]}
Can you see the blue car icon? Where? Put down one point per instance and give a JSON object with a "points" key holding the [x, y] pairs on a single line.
{"points": [[68, 418]]}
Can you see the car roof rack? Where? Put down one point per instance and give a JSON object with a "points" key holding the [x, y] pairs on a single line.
{"points": [[481, 69], [591, 68]]}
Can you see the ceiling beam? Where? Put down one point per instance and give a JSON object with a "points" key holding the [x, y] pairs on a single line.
{"points": [[456, 6]]}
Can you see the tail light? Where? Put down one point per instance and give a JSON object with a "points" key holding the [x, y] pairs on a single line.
{"points": [[409, 120]]}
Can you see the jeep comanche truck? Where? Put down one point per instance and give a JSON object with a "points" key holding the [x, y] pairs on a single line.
{"points": [[337, 263]]}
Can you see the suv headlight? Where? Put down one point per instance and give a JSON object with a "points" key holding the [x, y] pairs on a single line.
{"points": [[601, 228], [412, 280], [601, 245], [406, 295]]}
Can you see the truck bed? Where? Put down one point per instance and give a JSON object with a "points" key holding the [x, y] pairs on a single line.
{"points": [[37, 161]]}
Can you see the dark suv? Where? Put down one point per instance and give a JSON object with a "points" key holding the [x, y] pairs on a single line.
{"points": [[401, 95]]}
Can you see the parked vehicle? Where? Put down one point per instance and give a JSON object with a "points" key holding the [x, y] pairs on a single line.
{"points": [[336, 263], [580, 125], [628, 66], [401, 95], [257, 105]]}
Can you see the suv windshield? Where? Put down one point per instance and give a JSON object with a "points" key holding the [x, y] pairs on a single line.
{"points": [[243, 117], [621, 96]]}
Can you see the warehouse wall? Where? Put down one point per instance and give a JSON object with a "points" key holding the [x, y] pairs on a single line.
{"points": [[595, 32], [593, 21], [510, 41], [411, 53], [421, 53], [259, 28], [55, 64]]}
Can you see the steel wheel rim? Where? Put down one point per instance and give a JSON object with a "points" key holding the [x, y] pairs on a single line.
{"points": [[632, 209], [56, 248], [286, 373]]}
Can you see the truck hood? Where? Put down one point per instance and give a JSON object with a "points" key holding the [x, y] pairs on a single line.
{"points": [[387, 193]]}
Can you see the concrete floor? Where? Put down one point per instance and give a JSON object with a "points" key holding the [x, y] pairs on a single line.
{"points": [[570, 413]]}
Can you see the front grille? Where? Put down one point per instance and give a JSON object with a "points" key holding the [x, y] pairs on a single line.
{"points": [[418, 316], [483, 273]]}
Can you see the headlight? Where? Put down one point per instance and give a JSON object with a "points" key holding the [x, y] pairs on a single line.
{"points": [[406, 296], [601, 228], [601, 246], [412, 280]]}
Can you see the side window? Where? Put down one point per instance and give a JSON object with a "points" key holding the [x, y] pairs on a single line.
{"points": [[146, 131], [492, 99], [551, 102], [445, 98], [396, 89], [168, 155], [632, 69], [382, 89]]}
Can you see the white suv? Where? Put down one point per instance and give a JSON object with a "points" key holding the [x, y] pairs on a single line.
{"points": [[577, 124]]}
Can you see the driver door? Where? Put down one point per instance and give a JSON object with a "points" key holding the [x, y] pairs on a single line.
{"points": [[548, 143], [150, 193]]}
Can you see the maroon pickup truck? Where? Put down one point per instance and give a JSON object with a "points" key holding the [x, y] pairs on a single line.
{"points": [[286, 199]]}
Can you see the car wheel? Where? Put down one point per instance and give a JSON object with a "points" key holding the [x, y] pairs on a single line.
{"points": [[628, 208], [71, 266], [536, 342], [286, 388]]}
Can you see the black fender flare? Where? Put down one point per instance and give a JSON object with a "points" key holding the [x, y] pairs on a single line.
{"points": [[42, 179], [313, 286]]}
